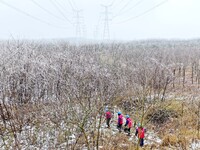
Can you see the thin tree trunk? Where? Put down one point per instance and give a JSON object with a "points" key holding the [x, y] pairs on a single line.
{"points": [[98, 133], [192, 73], [198, 78], [183, 76], [198, 121], [174, 73], [179, 74]]}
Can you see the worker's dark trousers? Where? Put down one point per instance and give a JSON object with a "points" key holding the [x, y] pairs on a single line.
{"points": [[108, 122], [129, 131], [141, 142], [119, 126]]}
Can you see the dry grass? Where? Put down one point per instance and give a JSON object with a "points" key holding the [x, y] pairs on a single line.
{"points": [[177, 132], [170, 140], [116, 142]]}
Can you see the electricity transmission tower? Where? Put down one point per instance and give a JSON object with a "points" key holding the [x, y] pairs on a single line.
{"points": [[78, 24], [106, 30]]}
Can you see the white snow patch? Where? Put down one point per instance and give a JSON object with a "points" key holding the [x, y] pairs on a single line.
{"points": [[195, 145]]}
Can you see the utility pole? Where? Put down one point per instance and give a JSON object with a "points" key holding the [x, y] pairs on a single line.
{"points": [[106, 31]]}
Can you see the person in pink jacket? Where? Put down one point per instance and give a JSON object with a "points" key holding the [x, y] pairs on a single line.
{"points": [[108, 118], [120, 121], [140, 132], [128, 124]]}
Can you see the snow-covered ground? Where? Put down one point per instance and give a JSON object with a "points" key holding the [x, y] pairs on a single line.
{"points": [[195, 145], [48, 136]]}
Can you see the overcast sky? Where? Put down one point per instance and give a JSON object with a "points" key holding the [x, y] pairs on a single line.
{"points": [[128, 19]]}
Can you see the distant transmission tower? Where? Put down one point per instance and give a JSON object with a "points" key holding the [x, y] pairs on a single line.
{"points": [[106, 31], [78, 22]]}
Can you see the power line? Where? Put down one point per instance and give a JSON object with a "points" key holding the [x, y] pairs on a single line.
{"points": [[60, 11], [70, 3], [118, 3], [46, 10], [65, 5], [145, 12], [29, 15], [121, 12], [61, 6], [112, 3], [125, 6], [73, 3]]}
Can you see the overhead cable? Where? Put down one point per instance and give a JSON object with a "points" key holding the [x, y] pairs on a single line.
{"points": [[55, 5], [143, 13], [121, 12], [29, 15], [61, 6], [46, 10]]}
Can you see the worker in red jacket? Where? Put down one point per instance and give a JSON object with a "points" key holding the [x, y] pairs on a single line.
{"points": [[128, 124], [108, 118], [140, 131], [120, 121]]}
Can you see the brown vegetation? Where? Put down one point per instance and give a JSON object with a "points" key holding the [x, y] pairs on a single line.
{"points": [[54, 94]]}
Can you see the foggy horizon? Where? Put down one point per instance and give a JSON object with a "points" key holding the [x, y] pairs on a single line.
{"points": [[74, 19]]}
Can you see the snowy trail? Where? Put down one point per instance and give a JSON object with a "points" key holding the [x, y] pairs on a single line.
{"points": [[150, 137]]}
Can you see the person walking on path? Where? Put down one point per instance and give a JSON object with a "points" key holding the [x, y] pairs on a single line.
{"points": [[128, 124], [140, 131], [108, 118], [120, 121]]}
